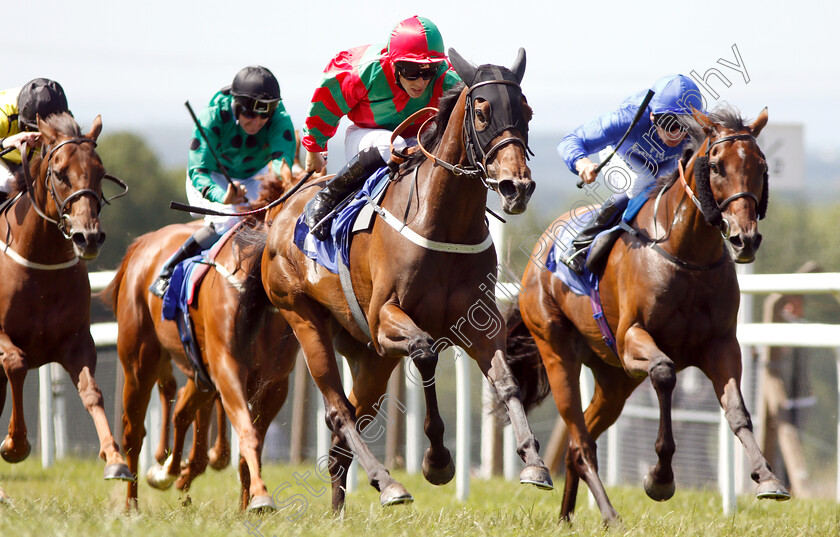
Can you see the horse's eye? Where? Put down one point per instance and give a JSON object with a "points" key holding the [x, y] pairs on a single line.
{"points": [[713, 166]]}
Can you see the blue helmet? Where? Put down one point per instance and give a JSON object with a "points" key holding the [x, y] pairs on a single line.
{"points": [[675, 94]]}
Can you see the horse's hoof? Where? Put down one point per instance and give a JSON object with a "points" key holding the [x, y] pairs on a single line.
{"points": [[262, 504], [539, 476], [219, 461], [159, 478], [394, 494], [659, 492], [438, 475], [772, 490], [6, 451], [118, 471]]}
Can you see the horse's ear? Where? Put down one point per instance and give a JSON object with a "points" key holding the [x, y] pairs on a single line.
{"points": [[465, 69], [707, 124], [48, 134], [95, 128], [518, 68], [759, 122]]}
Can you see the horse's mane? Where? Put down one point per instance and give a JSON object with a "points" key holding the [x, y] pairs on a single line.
{"points": [[724, 115], [432, 136], [63, 123]]}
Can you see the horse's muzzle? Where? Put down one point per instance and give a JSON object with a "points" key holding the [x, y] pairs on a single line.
{"points": [[744, 246], [515, 194], [87, 243]]}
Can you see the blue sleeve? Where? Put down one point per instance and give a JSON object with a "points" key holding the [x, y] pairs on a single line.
{"points": [[594, 136]]}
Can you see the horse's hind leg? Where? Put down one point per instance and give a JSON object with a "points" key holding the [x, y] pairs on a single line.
{"points": [[268, 402], [15, 447], [80, 365], [166, 389], [722, 364], [219, 454]]}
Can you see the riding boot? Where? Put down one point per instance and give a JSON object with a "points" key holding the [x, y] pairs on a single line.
{"points": [[201, 240], [596, 224], [345, 181]]}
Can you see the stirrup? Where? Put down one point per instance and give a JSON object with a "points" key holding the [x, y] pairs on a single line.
{"points": [[576, 261], [160, 285]]}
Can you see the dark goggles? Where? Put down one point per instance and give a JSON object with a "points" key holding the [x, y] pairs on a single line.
{"points": [[252, 108], [669, 123], [413, 71]]}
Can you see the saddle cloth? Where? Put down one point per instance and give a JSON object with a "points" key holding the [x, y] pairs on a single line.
{"points": [[355, 216]]}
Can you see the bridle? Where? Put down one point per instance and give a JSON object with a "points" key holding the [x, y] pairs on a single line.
{"points": [[49, 182], [476, 154], [721, 206]]}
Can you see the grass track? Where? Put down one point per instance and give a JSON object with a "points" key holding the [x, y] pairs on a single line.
{"points": [[72, 500]]}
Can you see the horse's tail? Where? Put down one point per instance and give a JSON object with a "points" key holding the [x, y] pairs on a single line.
{"points": [[111, 292], [525, 364], [254, 307]]}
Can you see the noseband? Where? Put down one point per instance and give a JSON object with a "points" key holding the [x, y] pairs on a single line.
{"points": [[49, 182]]}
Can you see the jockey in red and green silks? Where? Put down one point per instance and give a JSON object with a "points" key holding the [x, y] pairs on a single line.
{"points": [[376, 88]]}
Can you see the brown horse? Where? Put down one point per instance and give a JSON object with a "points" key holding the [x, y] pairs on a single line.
{"points": [[417, 298], [49, 229], [248, 364], [670, 294]]}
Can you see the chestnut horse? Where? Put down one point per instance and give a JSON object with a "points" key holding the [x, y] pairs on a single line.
{"points": [[249, 365], [670, 295], [416, 297], [49, 229]]}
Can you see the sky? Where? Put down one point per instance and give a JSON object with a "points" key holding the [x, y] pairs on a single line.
{"points": [[136, 63]]}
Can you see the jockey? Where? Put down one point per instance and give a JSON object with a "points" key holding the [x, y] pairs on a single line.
{"points": [[652, 148], [376, 88], [251, 133], [19, 108]]}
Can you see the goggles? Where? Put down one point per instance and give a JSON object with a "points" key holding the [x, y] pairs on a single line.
{"points": [[252, 108], [413, 71], [669, 123]]}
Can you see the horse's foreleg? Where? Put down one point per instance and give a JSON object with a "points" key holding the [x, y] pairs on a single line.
{"points": [[15, 447], [81, 366], [166, 389], [640, 353], [196, 464], [320, 358], [722, 365], [399, 336], [495, 367], [219, 454]]}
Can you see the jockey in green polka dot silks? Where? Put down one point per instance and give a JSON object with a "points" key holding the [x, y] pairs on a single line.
{"points": [[248, 129]]}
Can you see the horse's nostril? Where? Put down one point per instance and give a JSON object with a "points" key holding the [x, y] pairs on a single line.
{"points": [[100, 240], [507, 188], [530, 188], [757, 240], [736, 241]]}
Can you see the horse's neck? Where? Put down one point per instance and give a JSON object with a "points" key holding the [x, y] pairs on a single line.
{"points": [[33, 237], [687, 234], [448, 207]]}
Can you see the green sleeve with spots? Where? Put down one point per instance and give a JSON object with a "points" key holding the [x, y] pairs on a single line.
{"points": [[241, 154]]}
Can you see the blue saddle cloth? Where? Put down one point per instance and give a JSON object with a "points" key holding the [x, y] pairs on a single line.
{"points": [[176, 306], [583, 284], [338, 243]]}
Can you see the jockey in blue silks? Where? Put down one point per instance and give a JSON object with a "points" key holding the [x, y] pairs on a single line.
{"points": [[651, 149]]}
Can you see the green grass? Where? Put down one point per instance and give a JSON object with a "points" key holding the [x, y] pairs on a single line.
{"points": [[72, 500]]}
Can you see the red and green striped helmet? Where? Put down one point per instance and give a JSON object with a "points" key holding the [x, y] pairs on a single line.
{"points": [[416, 40]]}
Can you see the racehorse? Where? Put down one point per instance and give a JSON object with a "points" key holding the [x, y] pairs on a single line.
{"points": [[415, 297], [670, 294], [247, 365], [50, 228]]}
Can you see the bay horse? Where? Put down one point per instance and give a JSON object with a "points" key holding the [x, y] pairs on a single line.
{"points": [[670, 296], [416, 298], [249, 365], [49, 229]]}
